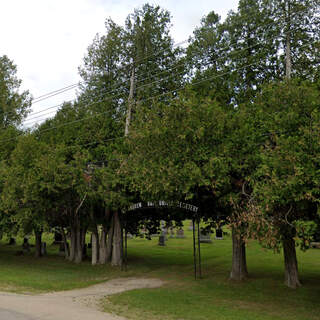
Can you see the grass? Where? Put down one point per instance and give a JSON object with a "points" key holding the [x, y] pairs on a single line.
{"points": [[262, 296]]}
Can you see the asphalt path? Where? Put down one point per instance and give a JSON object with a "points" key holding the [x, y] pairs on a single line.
{"points": [[12, 315], [77, 304]]}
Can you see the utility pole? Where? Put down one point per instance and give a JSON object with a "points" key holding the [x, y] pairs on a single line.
{"points": [[288, 44], [130, 102], [117, 228]]}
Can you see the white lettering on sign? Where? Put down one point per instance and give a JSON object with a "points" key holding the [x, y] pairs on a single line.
{"points": [[162, 203]]}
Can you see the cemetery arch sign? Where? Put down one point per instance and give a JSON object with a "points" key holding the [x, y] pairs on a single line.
{"points": [[164, 204], [161, 204]]}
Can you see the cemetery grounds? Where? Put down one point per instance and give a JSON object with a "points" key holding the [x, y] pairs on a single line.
{"points": [[263, 296]]}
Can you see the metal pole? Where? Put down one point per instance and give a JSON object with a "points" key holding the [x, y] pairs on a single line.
{"points": [[194, 249], [199, 253], [122, 246], [125, 249]]}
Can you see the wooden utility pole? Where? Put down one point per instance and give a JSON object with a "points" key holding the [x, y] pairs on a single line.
{"points": [[115, 236], [288, 44], [130, 102]]}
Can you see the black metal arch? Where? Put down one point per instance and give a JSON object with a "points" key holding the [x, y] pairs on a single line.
{"points": [[195, 231], [164, 204]]}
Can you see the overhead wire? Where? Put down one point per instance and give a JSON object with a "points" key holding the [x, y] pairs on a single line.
{"points": [[141, 80], [142, 100], [55, 92], [75, 85], [72, 86], [142, 86]]}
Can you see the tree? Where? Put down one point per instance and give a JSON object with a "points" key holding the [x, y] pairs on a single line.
{"points": [[23, 201], [285, 196], [64, 185], [177, 152], [14, 105], [125, 68], [233, 60]]}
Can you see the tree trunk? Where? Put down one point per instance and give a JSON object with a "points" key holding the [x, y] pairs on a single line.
{"points": [[117, 252], [110, 240], [290, 263], [103, 246], [65, 242], [95, 246], [38, 235], [79, 245], [239, 264], [73, 243]]}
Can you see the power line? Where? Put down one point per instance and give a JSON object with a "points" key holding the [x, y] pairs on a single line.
{"points": [[143, 100], [73, 86], [171, 91], [69, 87], [141, 80]]}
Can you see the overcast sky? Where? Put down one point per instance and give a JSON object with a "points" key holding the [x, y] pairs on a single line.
{"points": [[47, 39]]}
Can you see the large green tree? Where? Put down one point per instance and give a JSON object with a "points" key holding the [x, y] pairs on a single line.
{"points": [[22, 200], [283, 204], [14, 104], [194, 149]]}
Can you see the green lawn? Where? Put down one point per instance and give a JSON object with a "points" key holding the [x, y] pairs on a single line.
{"points": [[263, 296]]}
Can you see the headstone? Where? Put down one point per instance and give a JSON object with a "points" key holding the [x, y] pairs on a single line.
{"points": [[205, 237], [171, 232], [162, 240], [180, 233], [12, 242], [43, 248], [219, 234], [191, 226], [25, 245], [315, 245]]}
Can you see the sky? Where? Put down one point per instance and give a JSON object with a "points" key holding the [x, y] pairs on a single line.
{"points": [[47, 39]]}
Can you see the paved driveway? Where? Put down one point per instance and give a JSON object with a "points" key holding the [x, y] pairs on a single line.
{"points": [[79, 304], [12, 315]]}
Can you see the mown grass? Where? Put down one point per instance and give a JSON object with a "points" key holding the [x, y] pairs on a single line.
{"points": [[262, 296]]}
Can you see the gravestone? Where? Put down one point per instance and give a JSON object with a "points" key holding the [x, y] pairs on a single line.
{"points": [[205, 237], [171, 232], [315, 245], [180, 233], [219, 234], [43, 248], [25, 245], [162, 240]]}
